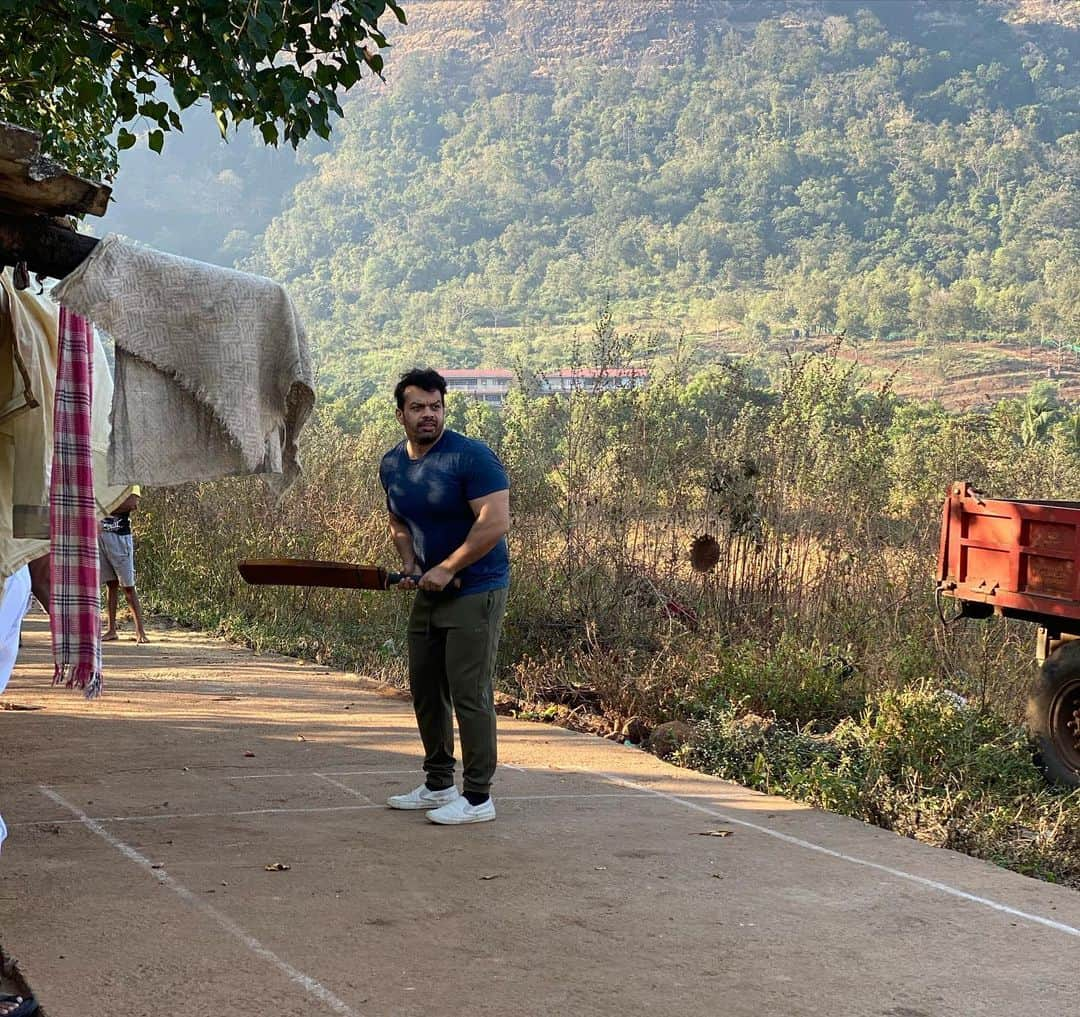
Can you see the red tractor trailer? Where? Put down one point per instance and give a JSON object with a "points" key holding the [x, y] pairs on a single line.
{"points": [[1021, 559]]}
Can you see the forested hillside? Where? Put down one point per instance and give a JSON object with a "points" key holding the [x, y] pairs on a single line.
{"points": [[736, 170]]}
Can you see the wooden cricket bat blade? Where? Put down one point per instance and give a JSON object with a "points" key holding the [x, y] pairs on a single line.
{"points": [[301, 572]]}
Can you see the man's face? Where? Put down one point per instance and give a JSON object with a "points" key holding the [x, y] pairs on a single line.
{"points": [[422, 416]]}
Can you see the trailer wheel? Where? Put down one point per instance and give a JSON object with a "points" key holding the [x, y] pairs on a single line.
{"points": [[1053, 714]]}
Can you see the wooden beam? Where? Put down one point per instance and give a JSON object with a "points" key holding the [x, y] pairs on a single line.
{"points": [[40, 185], [47, 249]]}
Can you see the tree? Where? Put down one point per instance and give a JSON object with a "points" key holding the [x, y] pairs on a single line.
{"points": [[1040, 411], [86, 73]]}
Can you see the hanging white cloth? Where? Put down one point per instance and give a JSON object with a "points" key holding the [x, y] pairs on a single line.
{"points": [[213, 372], [14, 600]]}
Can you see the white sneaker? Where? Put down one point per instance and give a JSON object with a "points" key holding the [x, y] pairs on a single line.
{"points": [[460, 811], [423, 797]]}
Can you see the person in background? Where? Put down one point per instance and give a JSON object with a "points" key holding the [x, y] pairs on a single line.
{"points": [[448, 498], [116, 552]]}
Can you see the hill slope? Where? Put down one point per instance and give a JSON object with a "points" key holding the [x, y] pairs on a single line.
{"points": [[725, 168]]}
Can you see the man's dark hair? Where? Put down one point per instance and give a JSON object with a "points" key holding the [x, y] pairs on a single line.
{"points": [[426, 379]]}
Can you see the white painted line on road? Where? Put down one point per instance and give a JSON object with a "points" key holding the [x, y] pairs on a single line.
{"points": [[259, 776], [370, 773], [343, 787], [308, 773], [321, 773], [537, 798], [284, 811], [197, 815], [306, 982], [933, 884]]}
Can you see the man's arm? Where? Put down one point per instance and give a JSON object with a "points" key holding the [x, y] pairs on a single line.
{"points": [[402, 538], [40, 580], [492, 523]]}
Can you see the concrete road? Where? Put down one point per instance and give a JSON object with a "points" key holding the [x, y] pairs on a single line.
{"points": [[135, 878]]}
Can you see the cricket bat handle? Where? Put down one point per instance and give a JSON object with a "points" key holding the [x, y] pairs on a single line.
{"points": [[394, 578]]}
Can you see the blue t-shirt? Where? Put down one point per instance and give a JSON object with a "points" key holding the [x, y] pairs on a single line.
{"points": [[431, 496]]}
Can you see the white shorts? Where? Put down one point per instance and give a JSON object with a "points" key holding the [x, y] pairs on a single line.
{"points": [[116, 554]]}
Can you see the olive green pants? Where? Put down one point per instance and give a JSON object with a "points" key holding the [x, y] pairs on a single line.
{"points": [[452, 646]]}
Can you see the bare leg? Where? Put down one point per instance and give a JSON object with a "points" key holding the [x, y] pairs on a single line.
{"points": [[40, 580], [111, 599], [136, 611]]}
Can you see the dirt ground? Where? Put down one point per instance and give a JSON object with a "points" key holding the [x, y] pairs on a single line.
{"points": [[209, 838]]}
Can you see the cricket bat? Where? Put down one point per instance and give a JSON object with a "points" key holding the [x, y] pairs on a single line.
{"points": [[301, 572]]}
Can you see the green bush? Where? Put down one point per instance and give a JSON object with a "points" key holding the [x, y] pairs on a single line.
{"points": [[915, 761]]}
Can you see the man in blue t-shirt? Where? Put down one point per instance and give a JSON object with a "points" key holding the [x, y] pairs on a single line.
{"points": [[449, 502]]}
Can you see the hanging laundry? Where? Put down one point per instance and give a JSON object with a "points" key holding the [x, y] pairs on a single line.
{"points": [[74, 612], [28, 338], [28, 349], [14, 600], [107, 495], [213, 374]]}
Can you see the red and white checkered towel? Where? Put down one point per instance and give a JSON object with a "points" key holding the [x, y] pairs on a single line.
{"points": [[75, 604]]}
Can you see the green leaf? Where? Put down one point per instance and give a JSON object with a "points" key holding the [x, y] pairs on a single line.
{"points": [[124, 139], [185, 94], [156, 141], [88, 90], [348, 75], [126, 106], [156, 110], [98, 50], [258, 33]]}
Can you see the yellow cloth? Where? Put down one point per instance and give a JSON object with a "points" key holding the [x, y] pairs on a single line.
{"points": [[29, 327], [14, 554], [28, 333]]}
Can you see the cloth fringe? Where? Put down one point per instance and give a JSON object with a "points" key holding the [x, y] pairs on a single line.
{"points": [[81, 676]]}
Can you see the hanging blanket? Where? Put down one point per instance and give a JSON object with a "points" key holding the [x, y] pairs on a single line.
{"points": [[75, 605], [213, 375]]}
